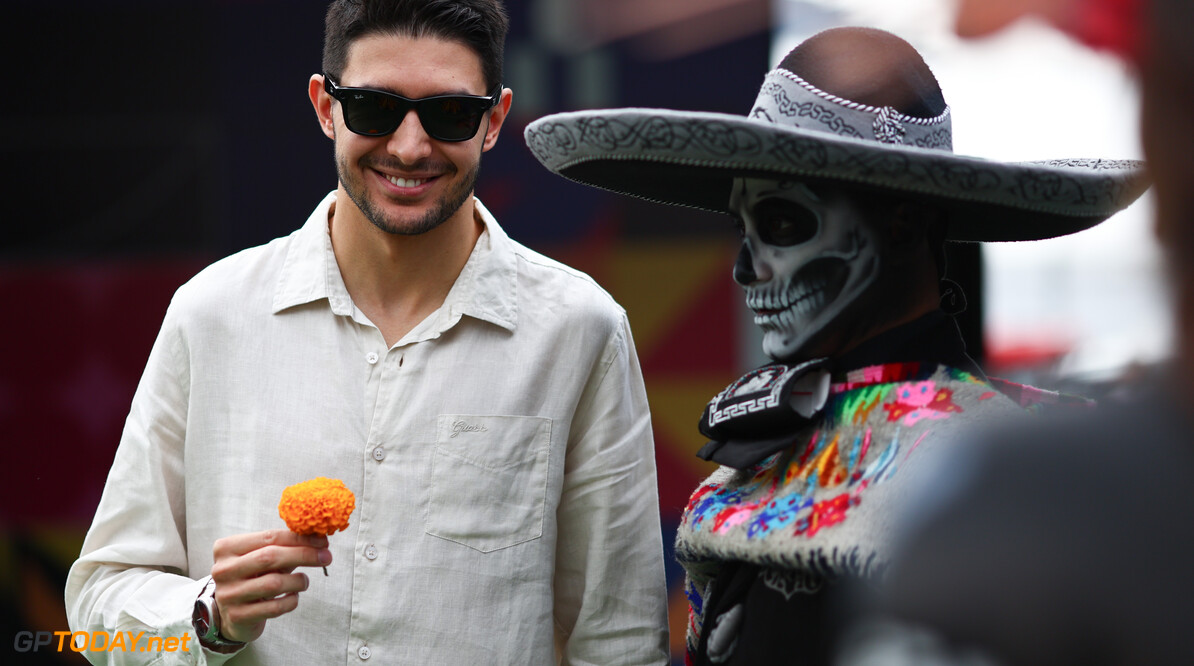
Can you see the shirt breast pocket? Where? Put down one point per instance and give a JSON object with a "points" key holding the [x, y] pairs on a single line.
{"points": [[488, 485]]}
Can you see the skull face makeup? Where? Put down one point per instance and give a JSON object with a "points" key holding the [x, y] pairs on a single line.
{"points": [[805, 259]]}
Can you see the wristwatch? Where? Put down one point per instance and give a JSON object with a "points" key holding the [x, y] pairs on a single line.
{"points": [[205, 619]]}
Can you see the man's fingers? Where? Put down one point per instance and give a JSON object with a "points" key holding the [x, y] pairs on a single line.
{"points": [[245, 605], [273, 550], [269, 559], [255, 579], [253, 591], [243, 622], [240, 544]]}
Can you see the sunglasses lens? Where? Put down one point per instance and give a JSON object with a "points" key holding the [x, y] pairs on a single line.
{"points": [[371, 113], [452, 118], [446, 118]]}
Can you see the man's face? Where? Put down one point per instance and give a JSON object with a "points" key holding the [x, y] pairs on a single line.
{"points": [[406, 182], [806, 258]]}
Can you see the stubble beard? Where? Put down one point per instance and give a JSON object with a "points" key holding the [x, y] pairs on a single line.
{"points": [[445, 207]]}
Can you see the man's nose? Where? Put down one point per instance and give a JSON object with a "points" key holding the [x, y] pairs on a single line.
{"points": [[410, 143]]}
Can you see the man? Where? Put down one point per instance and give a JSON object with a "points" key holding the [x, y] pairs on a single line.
{"points": [[844, 186], [1063, 541], [483, 402]]}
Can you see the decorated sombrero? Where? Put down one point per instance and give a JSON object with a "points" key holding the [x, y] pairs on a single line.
{"points": [[799, 131]]}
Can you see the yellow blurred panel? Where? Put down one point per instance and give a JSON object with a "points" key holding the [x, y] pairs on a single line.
{"points": [[676, 407], [658, 281]]}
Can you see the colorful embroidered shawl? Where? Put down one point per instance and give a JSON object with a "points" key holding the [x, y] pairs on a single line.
{"points": [[825, 506]]}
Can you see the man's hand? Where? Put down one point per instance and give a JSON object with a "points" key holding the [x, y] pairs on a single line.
{"points": [[255, 579]]}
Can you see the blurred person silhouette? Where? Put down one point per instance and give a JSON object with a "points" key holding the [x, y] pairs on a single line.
{"points": [[844, 186], [484, 402], [1063, 541]]}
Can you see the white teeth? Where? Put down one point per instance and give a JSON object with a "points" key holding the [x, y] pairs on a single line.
{"points": [[406, 182], [799, 300]]}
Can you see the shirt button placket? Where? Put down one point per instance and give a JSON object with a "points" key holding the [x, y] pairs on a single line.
{"points": [[379, 454]]}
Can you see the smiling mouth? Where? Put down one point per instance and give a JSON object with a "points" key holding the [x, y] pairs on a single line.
{"points": [[406, 182], [816, 284]]}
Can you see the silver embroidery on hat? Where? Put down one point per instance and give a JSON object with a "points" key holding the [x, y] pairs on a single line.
{"points": [[887, 126], [787, 99]]}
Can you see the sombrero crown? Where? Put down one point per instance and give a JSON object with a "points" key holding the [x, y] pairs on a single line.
{"points": [[887, 129]]}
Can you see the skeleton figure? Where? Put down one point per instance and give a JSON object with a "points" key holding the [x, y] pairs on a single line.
{"points": [[809, 262], [843, 265]]}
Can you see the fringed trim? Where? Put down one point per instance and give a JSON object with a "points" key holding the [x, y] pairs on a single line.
{"points": [[827, 563]]}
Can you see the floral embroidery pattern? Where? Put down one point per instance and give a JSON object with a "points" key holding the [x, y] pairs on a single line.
{"points": [[796, 513], [706, 499], [921, 400], [788, 492], [821, 465], [777, 514]]}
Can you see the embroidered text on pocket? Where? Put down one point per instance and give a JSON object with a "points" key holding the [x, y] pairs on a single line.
{"points": [[488, 485]]}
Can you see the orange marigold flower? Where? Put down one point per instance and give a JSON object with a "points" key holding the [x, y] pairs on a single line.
{"points": [[318, 506]]}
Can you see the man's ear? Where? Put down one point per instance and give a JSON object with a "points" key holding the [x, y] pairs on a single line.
{"points": [[497, 116], [322, 102]]}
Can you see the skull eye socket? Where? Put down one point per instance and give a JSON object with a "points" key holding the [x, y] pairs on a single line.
{"points": [[783, 223]]}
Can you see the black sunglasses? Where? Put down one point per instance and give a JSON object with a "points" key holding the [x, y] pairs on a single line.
{"points": [[371, 112]]}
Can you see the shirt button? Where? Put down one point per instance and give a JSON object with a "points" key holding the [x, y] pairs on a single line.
{"points": [[371, 357], [371, 552], [379, 454], [364, 652]]}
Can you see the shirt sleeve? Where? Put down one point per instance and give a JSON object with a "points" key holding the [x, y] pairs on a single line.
{"points": [[610, 590], [132, 574]]}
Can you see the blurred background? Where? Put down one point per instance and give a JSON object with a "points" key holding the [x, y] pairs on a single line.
{"points": [[147, 138]]}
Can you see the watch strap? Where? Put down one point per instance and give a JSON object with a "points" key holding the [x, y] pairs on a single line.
{"points": [[212, 638]]}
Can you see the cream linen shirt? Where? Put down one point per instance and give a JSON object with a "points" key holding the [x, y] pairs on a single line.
{"points": [[501, 456]]}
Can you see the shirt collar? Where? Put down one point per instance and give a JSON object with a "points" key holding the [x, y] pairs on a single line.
{"points": [[310, 272], [486, 289]]}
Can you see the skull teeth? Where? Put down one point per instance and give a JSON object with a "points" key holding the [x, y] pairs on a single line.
{"points": [[804, 297]]}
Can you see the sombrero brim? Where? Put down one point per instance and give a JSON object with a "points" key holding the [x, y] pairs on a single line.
{"points": [[690, 159]]}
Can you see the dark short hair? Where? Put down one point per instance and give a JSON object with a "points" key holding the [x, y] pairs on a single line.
{"points": [[479, 24]]}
